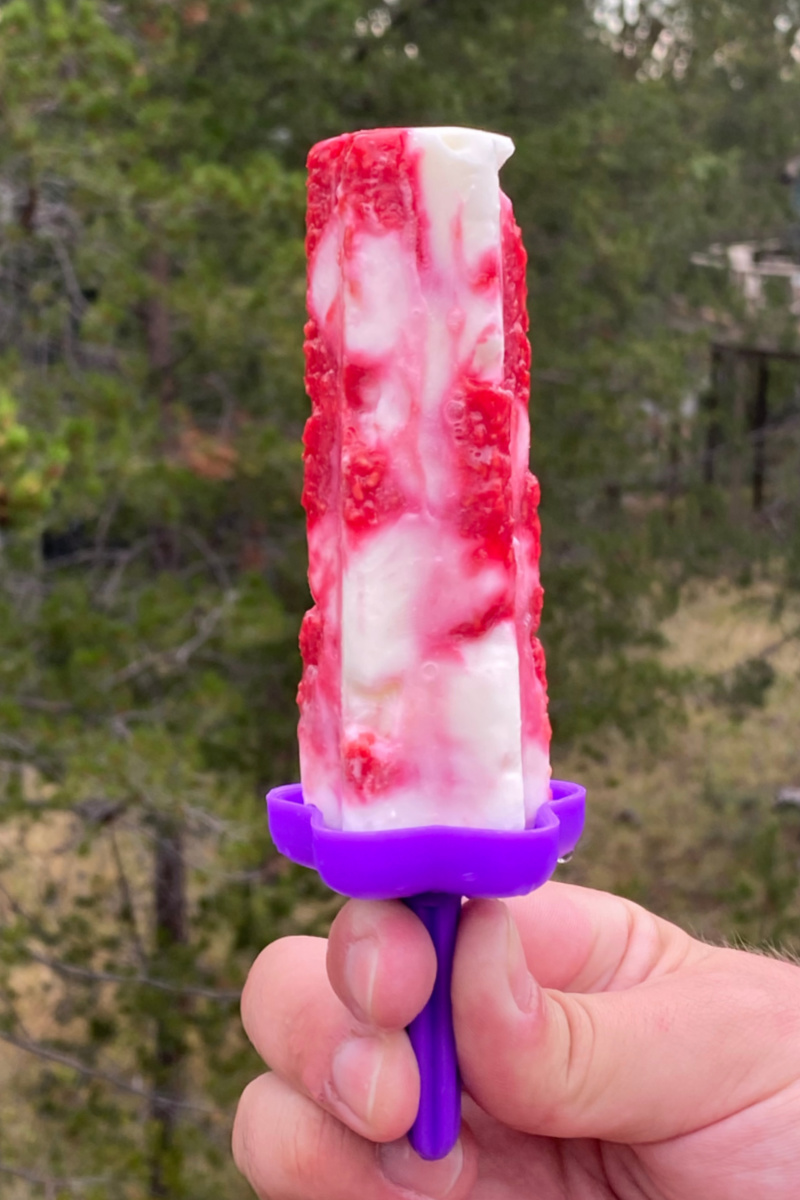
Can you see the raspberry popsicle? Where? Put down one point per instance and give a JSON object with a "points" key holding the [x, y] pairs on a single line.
{"points": [[423, 698], [423, 734]]}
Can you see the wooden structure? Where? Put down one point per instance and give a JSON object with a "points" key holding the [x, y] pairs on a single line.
{"points": [[751, 265], [759, 358]]}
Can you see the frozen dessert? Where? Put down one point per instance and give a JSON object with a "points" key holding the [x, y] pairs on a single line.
{"points": [[423, 698]]}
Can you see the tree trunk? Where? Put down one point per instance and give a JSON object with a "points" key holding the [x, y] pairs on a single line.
{"points": [[712, 405], [673, 470], [171, 931], [169, 881], [759, 432], [739, 438], [159, 334]]}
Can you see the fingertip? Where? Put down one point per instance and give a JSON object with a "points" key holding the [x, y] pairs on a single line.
{"points": [[498, 1011], [481, 919], [381, 962], [492, 986], [483, 908], [450, 1178], [374, 1086]]}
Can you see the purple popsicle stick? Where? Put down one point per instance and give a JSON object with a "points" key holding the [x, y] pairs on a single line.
{"points": [[438, 1120], [431, 868]]}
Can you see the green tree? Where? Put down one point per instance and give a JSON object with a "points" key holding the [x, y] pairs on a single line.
{"points": [[152, 550], [152, 303]]}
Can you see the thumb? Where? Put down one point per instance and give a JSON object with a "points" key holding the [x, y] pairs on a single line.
{"points": [[673, 1053]]}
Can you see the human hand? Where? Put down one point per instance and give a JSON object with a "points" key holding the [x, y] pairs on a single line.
{"points": [[606, 1055]]}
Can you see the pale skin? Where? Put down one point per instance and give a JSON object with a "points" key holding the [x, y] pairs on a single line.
{"points": [[605, 1054]]}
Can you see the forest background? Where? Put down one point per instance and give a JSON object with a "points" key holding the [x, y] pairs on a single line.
{"points": [[152, 552]]}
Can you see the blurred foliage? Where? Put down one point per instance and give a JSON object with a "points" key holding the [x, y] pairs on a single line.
{"points": [[152, 550], [30, 467], [746, 686]]}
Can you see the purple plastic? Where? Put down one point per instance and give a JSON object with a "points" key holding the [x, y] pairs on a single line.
{"points": [[431, 868], [396, 863], [438, 1119]]}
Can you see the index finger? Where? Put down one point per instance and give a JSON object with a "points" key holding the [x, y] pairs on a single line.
{"points": [[381, 962]]}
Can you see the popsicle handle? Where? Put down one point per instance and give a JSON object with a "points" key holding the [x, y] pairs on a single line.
{"points": [[436, 1128]]}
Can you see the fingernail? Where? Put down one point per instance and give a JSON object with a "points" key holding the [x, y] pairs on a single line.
{"points": [[520, 980], [360, 972], [355, 1071], [404, 1168]]}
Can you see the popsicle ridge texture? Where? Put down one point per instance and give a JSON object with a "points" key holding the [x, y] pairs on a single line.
{"points": [[423, 698]]}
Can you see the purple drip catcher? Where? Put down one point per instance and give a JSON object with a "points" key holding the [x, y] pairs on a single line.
{"points": [[431, 868]]}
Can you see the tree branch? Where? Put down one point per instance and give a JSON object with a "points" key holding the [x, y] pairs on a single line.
{"points": [[52, 1183], [123, 1085], [212, 559], [108, 591], [180, 656], [223, 995], [76, 296]]}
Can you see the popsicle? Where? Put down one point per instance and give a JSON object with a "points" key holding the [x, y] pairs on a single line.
{"points": [[423, 697], [424, 736]]}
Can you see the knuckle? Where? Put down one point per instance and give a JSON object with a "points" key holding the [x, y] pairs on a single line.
{"points": [[641, 950], [579, 1083], [307, 1150]]}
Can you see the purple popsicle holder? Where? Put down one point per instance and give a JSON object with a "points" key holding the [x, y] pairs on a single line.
{"points": [[431, 869]]}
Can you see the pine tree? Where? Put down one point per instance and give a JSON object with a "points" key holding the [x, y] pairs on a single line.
{"points": [[152, 549]]}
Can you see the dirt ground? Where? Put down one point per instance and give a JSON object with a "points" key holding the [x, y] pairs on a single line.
{"points": [[692, 825]]}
